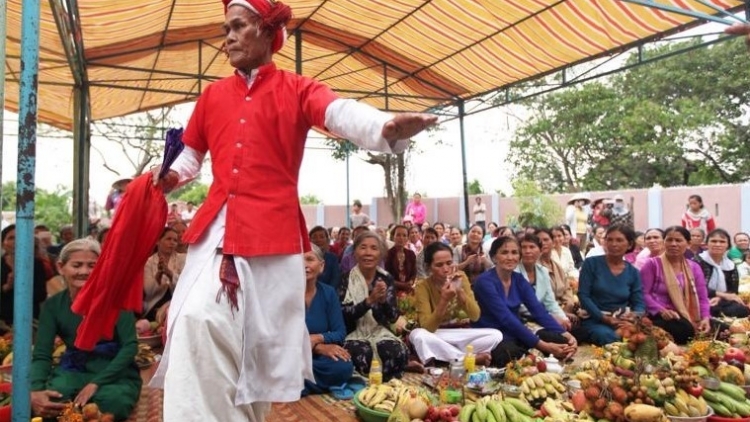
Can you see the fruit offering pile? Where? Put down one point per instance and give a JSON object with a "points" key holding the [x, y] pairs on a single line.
{"points": [[89, 413]]}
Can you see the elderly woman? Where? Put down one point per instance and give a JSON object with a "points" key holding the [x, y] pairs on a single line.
{"points": [[674, 289], [368, 298], [722, 277], [539, 279], [7, 277], [443, 300], [161, 273], [500, 293], [107, 375], [609, 286], [470, 257], [332, 365]]}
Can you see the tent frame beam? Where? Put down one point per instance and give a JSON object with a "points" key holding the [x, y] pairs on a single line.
{"points": [[731, 18]]}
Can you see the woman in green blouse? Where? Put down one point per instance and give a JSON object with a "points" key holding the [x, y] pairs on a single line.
{"points": [[107, 375]]}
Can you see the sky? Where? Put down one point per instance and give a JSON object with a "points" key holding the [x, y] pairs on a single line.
{"points": [[435, 171]]}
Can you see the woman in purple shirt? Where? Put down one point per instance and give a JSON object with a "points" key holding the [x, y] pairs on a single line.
{"points": [[674, 289]]}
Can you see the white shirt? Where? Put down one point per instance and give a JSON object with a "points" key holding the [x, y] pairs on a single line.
{"points": [[479, 212]]}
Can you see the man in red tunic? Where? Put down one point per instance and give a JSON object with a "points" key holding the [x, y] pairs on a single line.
{"points": [[237, 338]]}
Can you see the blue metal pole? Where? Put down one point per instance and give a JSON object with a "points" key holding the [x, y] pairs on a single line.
{"points": [[3, 20], [24, 262]]}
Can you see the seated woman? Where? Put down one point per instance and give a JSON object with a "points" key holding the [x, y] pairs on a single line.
{"points": [[107, 375], [332, 365], [368, 300], [559, 282], [442, 300], [401, 262], [653, 242], [161, 274], [722, 277], [500, 293], [539, 279], [609, 286], [561, 253], [470, 257], [674, 289], [7, 277]]}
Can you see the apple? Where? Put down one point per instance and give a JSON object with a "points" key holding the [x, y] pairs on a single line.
{"points": [[695, 390], [455, 409], [446, 414], [541, 366], [734, 356]]}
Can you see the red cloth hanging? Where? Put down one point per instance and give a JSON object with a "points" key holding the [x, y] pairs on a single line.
{"points": [[116, 283]]}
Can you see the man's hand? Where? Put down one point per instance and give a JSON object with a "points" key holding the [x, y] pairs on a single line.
{"points": [[166, 183], [406, 125], [741, 29]]}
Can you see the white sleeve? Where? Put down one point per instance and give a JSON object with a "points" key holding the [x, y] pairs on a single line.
{"points": [[188, 165], [361, 124]]}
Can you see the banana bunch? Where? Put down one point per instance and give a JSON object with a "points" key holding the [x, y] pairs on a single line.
{"points": [[387, 397], [542, 385], [145, 356], [728, 401], [491, 409], [686, 405]]}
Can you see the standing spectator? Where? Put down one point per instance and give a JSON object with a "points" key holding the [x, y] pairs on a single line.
{"points": [[357, 217], [189, 212], [115, 196], [697, 216], [416, 210], [577, 218], [741, 245], [619, 214], [480, 213], [331, 272]]}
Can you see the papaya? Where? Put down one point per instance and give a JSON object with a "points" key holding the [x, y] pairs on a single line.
{"points": [[730, 374]]}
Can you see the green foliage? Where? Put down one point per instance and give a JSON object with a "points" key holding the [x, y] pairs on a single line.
{"points": [[310, 200], [475, 187], [53, 209], [194, 192], [677, 121], [534, 207], [9, 196]]}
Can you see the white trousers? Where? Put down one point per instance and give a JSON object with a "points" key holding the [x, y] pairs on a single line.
{"points": [[447, 344], [224, 366]]}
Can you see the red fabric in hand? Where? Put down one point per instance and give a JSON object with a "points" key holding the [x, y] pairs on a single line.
{"points": [[116, 283]]}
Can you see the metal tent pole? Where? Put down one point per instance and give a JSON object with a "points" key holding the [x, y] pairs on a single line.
{"points": [[461, 114], [24, 259], [3, 20]]}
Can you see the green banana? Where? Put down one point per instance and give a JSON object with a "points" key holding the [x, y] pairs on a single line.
{"points": [[481, 410], [720, 409], [497, 411], [510, 412], [733, 391], [521, 406], [490, 417], [465, 414], [475, 418]]}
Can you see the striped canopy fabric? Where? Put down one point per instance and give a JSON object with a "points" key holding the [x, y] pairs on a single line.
{"points": [[400, 55]]}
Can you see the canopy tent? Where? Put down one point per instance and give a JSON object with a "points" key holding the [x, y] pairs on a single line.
{"points": [[403, 55], [103, 58]]}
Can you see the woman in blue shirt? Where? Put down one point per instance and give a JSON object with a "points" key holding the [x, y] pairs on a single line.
{"points": [[500, 293], [332, 364], [609, 287]]}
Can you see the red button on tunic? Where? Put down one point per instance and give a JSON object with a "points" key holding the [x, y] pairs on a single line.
{"points": [[256, 138]]}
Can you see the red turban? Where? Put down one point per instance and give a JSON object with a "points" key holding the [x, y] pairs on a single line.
{"points": [[274, 17]]}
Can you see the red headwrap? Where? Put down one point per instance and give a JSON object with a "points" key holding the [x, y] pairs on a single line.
{"points": [[274, 17]]}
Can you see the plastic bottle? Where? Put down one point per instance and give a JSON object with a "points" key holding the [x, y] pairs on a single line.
{"points": [[454, 393], [376, 372], [470, 359]]}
